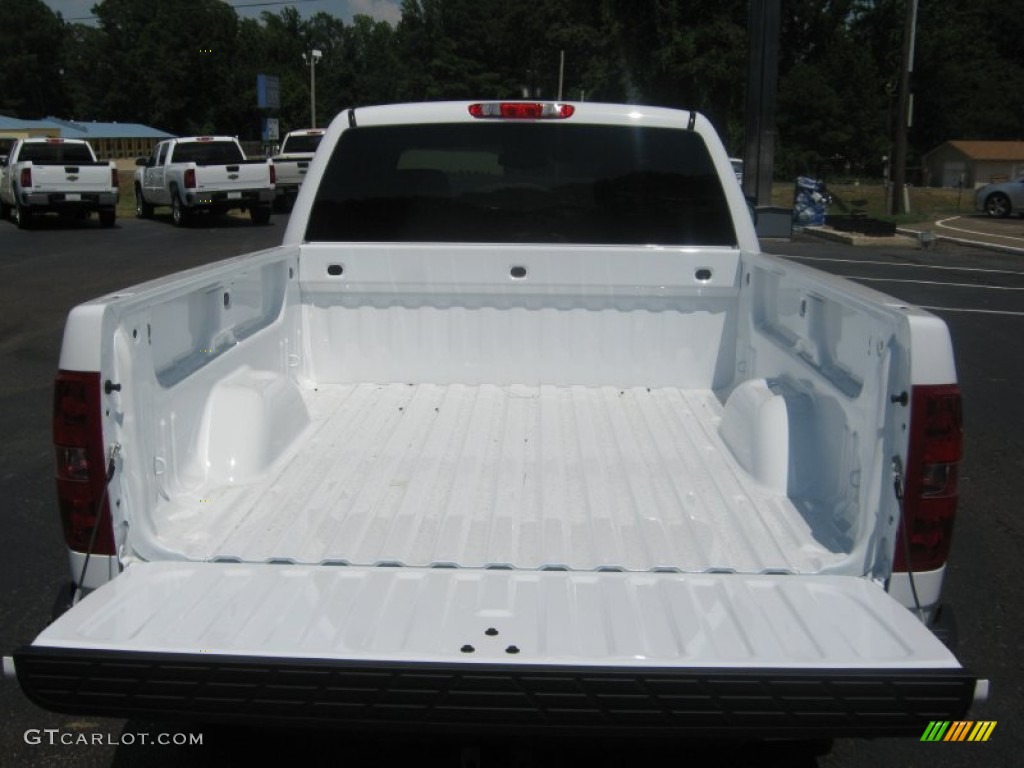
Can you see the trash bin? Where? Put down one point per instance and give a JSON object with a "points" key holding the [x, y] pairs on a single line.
{"points": [[810, 202]]}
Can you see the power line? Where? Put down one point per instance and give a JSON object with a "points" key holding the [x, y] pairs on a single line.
{"points": [[257, 5]]}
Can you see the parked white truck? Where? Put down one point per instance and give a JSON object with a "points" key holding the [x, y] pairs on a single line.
{"points": [[517, 431], [52, 175], [203, 174], [291, 164]]}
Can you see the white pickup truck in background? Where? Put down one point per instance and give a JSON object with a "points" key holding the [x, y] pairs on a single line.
{"points": [[518, 431], [292, 164], [203, 174], [50, 175]]}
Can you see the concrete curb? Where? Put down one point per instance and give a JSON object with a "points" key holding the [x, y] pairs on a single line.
{"points": [[901, 240], [964, 241], [905, 238]]}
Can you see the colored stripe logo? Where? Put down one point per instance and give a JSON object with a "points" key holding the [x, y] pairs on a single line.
{"points": [[959, 730]]}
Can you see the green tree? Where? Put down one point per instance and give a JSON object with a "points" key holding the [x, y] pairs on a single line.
{"points": [[372, 67], [689, 55], [171, 61], [326, 33], [86, 71], [190, 66], [969, 73], [832, 96], [427, 43], [31, 79]]}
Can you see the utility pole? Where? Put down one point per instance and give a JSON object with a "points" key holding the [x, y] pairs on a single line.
{"points": [[762, 86], [312, 58], [561, 73], [903, 118]]}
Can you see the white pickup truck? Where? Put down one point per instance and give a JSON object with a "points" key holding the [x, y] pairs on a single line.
{"points": [[517, 431], [292, 164], [48, 175], [203, 174]]}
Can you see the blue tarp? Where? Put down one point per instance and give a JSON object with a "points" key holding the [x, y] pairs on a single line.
{"points": [[810, 203]]}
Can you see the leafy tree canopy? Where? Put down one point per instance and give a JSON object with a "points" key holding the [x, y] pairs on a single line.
{"points": [[190, 66]]}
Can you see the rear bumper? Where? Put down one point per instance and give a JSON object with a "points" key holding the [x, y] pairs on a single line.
{"points": [[242, 198], [57, 201], [494, 698]]}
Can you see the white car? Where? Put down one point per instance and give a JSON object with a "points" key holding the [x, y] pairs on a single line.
{"points": [[1000, 200]]}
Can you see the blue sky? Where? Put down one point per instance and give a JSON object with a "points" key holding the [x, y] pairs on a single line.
{"points": [[384, 10]]}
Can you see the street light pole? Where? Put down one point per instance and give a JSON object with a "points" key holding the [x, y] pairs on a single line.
{"points": [[313, 57]]}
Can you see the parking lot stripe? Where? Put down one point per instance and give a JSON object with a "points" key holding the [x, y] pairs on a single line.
{"points": [[973, 311], [942, 223], [933, 282], [907, 264]]}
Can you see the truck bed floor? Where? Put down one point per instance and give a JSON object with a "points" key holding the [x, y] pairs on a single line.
{"points": [[524, 477]]}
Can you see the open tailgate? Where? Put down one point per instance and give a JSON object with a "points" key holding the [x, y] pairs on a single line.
{"points": [[498, 650]]}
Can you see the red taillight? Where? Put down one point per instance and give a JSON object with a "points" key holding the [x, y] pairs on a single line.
{"points": [[113, 178], [930, 484], [522, 110], [81, 470], [190, 178], [26, 177], [273, 174]]}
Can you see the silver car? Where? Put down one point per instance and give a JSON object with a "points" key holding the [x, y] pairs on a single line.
{"points": [[1000, 200]]}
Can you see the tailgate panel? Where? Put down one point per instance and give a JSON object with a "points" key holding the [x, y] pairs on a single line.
{"points": [[244, 176], [56, 178], [496, 649]]}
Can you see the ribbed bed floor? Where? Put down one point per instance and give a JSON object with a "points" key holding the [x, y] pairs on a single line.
{"points": [[525, 477]]}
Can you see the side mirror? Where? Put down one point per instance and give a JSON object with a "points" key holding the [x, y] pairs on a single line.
{"points": [[141, 160]]}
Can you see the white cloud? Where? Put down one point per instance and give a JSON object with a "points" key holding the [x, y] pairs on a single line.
{"points": [[382, 10], [73, 10]]}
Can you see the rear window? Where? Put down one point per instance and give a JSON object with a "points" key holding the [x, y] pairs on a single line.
{"points": [[55, 154], [207, 153], [521, 183], [301, 143]]}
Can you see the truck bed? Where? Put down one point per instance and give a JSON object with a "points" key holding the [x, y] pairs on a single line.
{"points": [[517, 433], [548, 477]]}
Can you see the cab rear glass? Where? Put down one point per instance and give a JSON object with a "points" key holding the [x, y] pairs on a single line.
{"points": [[508, 182], [55, 154], [302, 143], [207, 153]]}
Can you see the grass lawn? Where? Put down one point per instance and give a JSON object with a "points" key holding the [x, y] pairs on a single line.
{"points": [[126, 200], [926, 203]]}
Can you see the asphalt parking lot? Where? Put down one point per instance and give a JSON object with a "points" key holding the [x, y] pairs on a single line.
{"points": [[978, 228], [980, 294], [43, 273]]}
